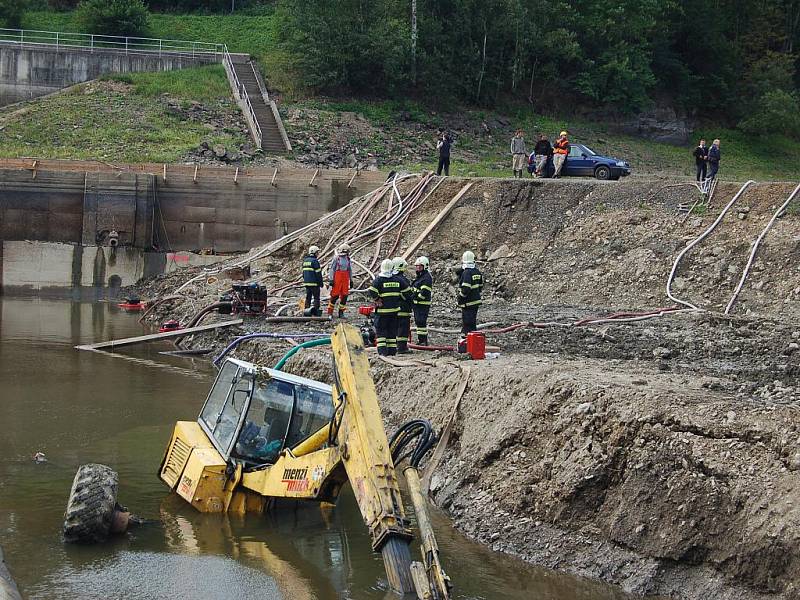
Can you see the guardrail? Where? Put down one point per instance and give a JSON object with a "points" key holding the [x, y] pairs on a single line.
{"points": [[110, 43], [242, 96]]}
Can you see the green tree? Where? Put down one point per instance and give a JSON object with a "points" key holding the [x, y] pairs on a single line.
{"points": [[11, 13], [113, 17], [777, 111]]}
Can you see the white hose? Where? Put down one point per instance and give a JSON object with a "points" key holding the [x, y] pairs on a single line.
{"points": [[754, 249], [697, 241]]}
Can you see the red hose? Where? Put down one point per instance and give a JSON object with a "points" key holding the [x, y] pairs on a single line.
{"points": [[442, 348]]}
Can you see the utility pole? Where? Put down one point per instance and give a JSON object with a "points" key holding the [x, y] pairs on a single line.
{"points": [[414, 41], [233, 6]]}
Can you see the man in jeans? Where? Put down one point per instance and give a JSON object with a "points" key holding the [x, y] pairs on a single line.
{"points": [[518, 153], [541, 152], [443, 146], [560, 151], [714, 156], [701, 160]]}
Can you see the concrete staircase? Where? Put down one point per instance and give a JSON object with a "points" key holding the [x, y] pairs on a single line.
{"points": [[261, 113]]}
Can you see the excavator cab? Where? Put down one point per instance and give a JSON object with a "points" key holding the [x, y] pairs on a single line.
{"points": [[252, 414]]}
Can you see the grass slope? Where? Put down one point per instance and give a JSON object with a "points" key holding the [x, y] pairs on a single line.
{"points": [[140, 117]]}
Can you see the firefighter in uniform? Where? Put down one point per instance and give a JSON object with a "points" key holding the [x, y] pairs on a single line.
{"points": [[312, 280], [339, 280], [470, 285], [423, 293], [404, 316], [388, 293]]}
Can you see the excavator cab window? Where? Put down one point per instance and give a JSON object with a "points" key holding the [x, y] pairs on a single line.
{"points": [[223, 409], [314, 409], [267, 422]]}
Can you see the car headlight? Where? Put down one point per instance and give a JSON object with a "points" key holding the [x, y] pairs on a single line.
{"points": [[621, 163]]}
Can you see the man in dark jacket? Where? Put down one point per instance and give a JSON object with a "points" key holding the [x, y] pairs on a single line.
{"points": [[423, 294], [443, 146], [701, 160], [312, 281], [406, 305], [388, 293], [714, 156], [470, 285], [541, 153]]}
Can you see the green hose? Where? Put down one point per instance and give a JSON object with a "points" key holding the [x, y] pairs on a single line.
{"points": [[296, 349]]}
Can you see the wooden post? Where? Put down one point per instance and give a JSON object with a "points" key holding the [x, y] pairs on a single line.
{"points": [[350, 183], [196, 167], [34, 168], [236, 176], [311, 183], [274, 175], [165, 173]]}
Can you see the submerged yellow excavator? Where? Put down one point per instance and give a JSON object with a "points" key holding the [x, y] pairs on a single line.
{"points": [[264, 434]]}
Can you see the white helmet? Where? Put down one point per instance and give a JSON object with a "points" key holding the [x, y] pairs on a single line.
{"points": [[313, 250], [344, 249], [423, 260], [399, 263], [468, 258], [387, 266]]}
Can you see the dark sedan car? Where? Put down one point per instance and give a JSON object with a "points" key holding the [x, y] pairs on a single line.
{"points": [[582, 161]]}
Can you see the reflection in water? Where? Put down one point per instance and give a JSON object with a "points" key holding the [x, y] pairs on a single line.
{"points": [[80, 407]]}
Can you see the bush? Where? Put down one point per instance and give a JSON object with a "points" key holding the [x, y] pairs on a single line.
{"points": [[777, 110], [11, 13], [113, 17]]}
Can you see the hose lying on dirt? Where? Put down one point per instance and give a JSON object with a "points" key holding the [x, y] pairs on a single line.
{"points": [[755, 248], [309, 344]]}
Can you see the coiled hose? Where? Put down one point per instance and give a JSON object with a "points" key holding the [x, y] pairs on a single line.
{"points": [[418, 432]]}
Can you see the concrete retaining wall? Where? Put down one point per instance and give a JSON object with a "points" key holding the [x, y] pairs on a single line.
{"points": [[217, 209], [31, 71]]}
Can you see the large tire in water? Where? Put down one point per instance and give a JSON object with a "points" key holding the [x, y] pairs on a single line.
{"points": [[91, 504]]}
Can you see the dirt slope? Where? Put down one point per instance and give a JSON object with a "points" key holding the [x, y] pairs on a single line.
{"points": [[662, 455]]}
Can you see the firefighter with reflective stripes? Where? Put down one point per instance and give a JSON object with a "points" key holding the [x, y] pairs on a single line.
{"points": [[339, 280], [406, 306], [470, 285], [388, 292], [312, 281], [423, 294]]}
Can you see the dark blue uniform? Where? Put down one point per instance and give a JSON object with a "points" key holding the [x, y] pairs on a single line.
{"points": [[404, 316], [389, 294], [470, 285], [312, 280], [423, 294]]}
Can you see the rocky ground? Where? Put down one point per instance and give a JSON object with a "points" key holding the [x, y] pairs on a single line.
{"points": [[662, 455]]}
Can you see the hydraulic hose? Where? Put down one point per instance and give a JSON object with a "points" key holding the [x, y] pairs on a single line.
{"points": [[254, 336], [309, 344], [417, 430]]}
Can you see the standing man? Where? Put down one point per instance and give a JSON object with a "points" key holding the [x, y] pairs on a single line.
{"points": [[701, 160], [423, 294], [560, 151], [541, 152], [399, 266], [714, 156], [312, 280], [470, 285], [518, 153], [388, 293], [443, 146], [339, 277]]}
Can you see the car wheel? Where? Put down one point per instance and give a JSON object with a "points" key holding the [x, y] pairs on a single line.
{"points": [[91, 505], [602, 172]]}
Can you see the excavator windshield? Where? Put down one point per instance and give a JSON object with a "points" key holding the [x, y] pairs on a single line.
{"points": [[263, 410]]}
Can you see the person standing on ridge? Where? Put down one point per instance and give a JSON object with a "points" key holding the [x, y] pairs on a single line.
{"points": [[560, 151], [406, 304], [470, 285], [422, 287], [312, 281], [443, 146], [339, 276], [518, 153], [701, 160], [714, 156], [541, 152]]}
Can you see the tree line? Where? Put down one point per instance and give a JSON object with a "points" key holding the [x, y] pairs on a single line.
{"points": [[731, 62]]}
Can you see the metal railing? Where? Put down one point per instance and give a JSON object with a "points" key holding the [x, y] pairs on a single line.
{"points": [[110, 43], [242, 95]]}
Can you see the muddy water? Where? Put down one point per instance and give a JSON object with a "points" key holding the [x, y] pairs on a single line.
{"points": [[80, 407]]}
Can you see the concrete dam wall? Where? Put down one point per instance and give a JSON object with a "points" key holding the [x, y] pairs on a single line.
{"points": [[76, 212], [30, 71]]}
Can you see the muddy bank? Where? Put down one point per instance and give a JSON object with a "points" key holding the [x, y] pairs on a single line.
{"points": [[661, 455], [8, 589]]}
